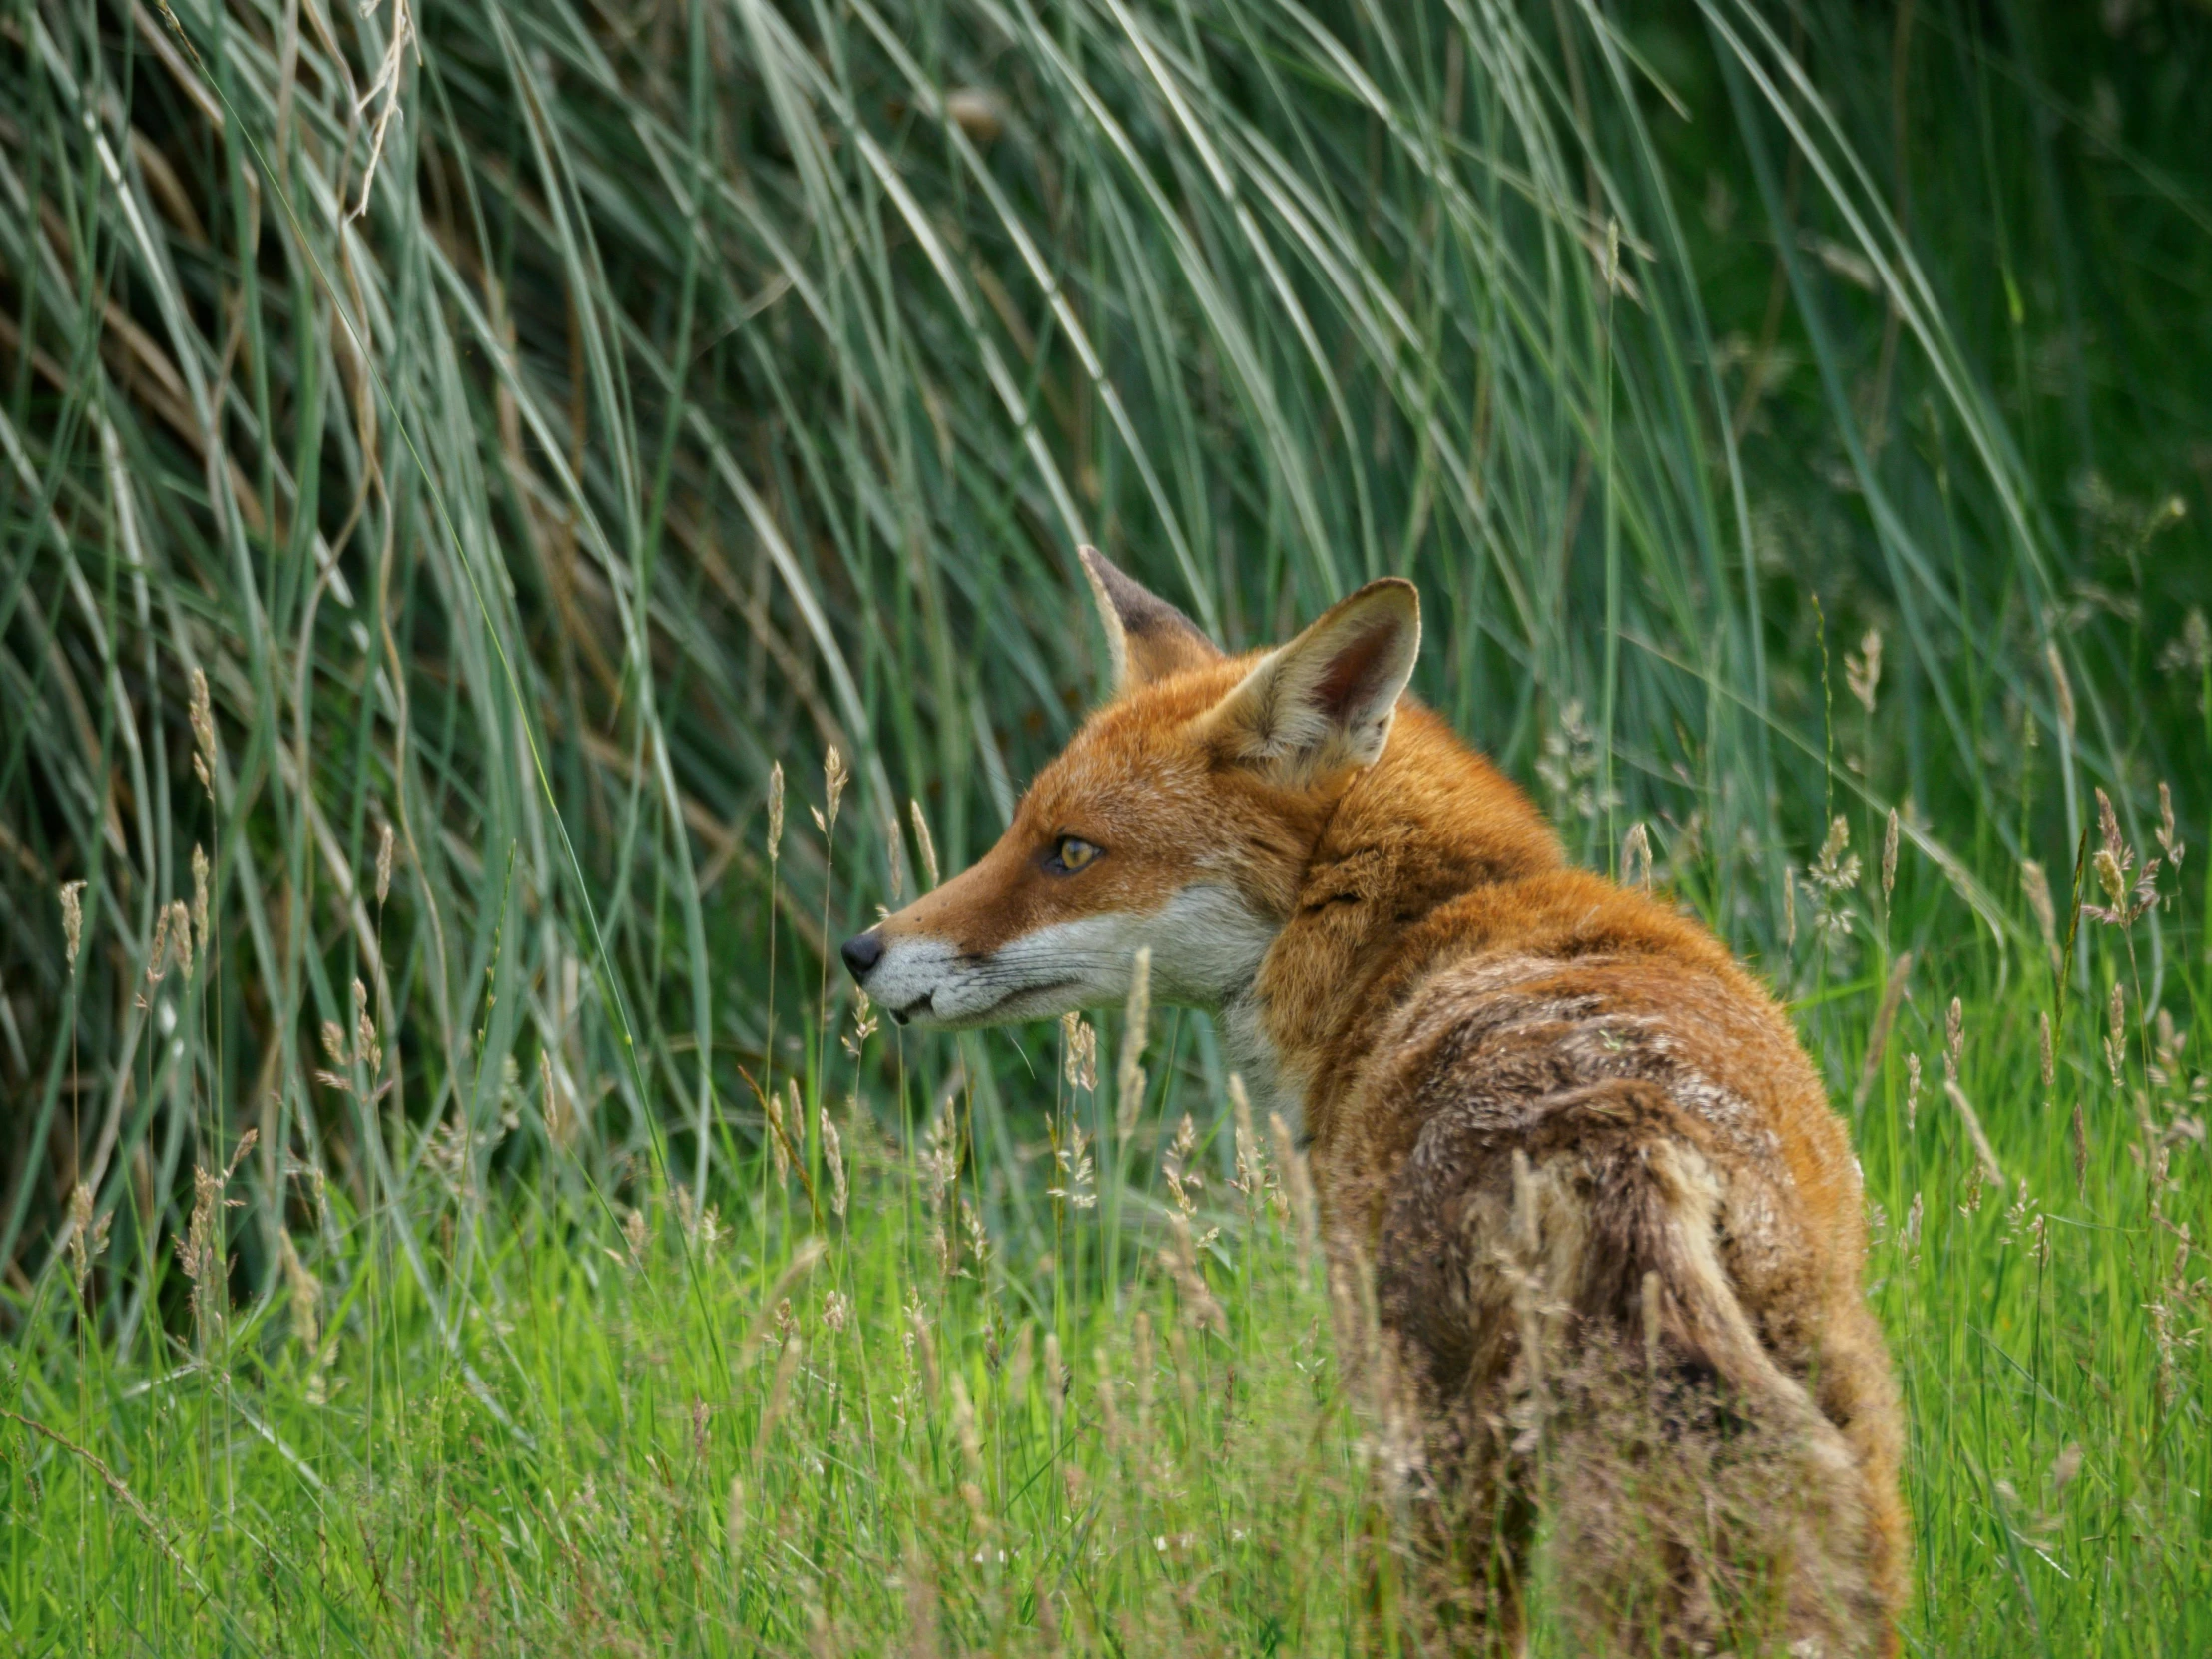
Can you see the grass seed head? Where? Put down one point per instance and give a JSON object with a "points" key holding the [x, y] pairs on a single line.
{"points": [[2036, 885], [157, 959], [1889, 857], [73, 922], [179, 935], [384, 848], [2062, 689], [1079, 1051], [1863, 669], [198, 902], [306, 1293], [779, 1146], [88, 1238], [202, 733], [1955, 1039], [922, 841], [774, 811], [834, 778], [1636, 857]]}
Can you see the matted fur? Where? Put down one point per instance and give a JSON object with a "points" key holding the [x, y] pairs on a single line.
{"points": [[1613, 1227]]}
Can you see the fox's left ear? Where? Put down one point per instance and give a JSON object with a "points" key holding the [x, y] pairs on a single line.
{"points": [[1148, 637], [1326, 701]]}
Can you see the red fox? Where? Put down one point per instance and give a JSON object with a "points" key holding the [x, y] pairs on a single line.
{"points": [[1614, 1228]]}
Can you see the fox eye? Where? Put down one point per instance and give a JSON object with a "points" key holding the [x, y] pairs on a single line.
{"points": [[1069, 855]]}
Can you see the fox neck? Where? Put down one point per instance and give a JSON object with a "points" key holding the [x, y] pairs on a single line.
{"points": [[1429, 822]]}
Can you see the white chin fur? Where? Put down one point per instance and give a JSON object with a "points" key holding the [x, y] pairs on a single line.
{"points": [[1206, 947]]}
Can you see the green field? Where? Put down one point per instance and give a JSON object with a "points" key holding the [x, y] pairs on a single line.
{"points": [[466, 468]]}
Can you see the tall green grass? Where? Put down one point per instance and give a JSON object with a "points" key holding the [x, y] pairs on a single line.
{"points": [[536, 423]]}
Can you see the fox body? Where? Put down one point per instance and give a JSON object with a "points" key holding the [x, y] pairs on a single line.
{"points": [[1614, 1228]]}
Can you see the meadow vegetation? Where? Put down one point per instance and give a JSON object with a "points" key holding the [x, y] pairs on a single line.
{"points": [[520, 522]]}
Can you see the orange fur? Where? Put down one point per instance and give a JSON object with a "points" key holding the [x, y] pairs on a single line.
{"points": [[1600, 1184]]}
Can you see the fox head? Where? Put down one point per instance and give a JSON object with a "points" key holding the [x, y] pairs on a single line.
{"points": [[1180, 817]]}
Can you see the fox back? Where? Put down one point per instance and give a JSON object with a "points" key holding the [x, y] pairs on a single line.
{"points": [[1612, 1226]]}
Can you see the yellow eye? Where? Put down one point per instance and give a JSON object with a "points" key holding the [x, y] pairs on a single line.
{"points": [[1073, 855]]}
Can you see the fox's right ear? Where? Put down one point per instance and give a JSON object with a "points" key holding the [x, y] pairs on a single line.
{"points": [[1147, 637]]}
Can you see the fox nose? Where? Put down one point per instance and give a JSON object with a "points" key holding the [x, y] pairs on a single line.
{"points": [[861, 953]]}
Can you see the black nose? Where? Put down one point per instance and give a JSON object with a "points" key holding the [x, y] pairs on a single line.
{"points": [[861, 953]]}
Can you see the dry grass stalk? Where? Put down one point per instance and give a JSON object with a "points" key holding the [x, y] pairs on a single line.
{"points": [[779, 1147], [1878, 1041], [732, 1518], [1863, 669], [200, 898], [1299, 1180], [2035, 884], [921, 1607], [1200, 1306], [922, 841], [1975, 1132], [201, 1250], [972, 1455], [1636, 857], [306, 1293], [384, 850], [1019, 1362], [1057, 1380], [1129, 1078], [2062, 689], [2168, 841], [832, 1149], [1141, 1365], [779, 1397], [1079, 1053], [386, 87], [2115, 1032], [1076, 1185], [1253, 1180], [923, 1346], [774, 813], [801, 1262]]}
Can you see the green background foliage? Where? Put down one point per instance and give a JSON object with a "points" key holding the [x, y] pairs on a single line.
{"points": [[537, 422]]}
